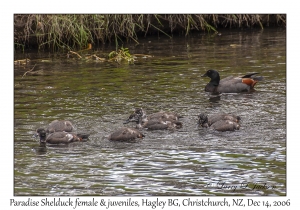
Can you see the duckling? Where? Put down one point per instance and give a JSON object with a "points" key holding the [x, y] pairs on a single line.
{"points": [[159, 115], [220, 122], [40, 132], [156, 121], [60, 125], [60, 137], [125, 134]]}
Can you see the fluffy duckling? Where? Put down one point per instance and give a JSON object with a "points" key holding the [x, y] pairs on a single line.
{"points": [[60, 125], [125, 134], [220, 122], [57, 137], [156, 121]]}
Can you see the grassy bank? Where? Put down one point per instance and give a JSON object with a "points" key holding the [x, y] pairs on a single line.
{"points": [[57, 32]]}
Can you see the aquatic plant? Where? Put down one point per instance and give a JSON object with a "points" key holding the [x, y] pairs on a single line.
{"points": [[121, 54]]}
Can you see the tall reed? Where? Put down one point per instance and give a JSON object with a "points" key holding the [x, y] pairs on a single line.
{"points": [[75, 31]]}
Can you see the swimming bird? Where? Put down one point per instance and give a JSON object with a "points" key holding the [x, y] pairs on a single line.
{"points": [[60, 125], [60, 137], [220, 122], [230, 84], [125, 134], [156, 121]]}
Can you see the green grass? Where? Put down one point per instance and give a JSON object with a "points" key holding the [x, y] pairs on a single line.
{"points": [[76, 31]]}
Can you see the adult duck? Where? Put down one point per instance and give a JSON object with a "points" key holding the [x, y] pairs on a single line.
{"points": [[126, 134], [220, 122], [230, 84], [155, 121]]}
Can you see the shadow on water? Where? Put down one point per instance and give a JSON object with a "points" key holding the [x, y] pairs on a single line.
{"points": [[215, 99], [97, 97]]}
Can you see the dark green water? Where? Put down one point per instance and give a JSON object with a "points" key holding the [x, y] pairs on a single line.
{"points": [[97, 97]]}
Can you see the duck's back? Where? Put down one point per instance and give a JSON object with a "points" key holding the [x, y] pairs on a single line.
{"points": [[162, 121], [166, 116], [61, 138], [60, 125], [233, 85], [156, 124], [125, 134], [217, 117], [225, 125]]}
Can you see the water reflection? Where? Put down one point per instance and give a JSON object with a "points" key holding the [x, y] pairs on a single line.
{"points": [[98, 97], [215, 99], [41, 150]]}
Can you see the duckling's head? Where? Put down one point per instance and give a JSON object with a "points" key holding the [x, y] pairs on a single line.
{"points": [[203, 120], [42, 134]]}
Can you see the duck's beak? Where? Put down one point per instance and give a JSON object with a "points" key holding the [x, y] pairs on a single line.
{"points": [[204, 75]]}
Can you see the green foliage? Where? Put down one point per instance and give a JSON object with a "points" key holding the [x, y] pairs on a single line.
{"points": [[121, 54], [75, 31]]}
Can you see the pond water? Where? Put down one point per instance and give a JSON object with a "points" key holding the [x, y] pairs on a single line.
{"points": [[98, 96]]}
